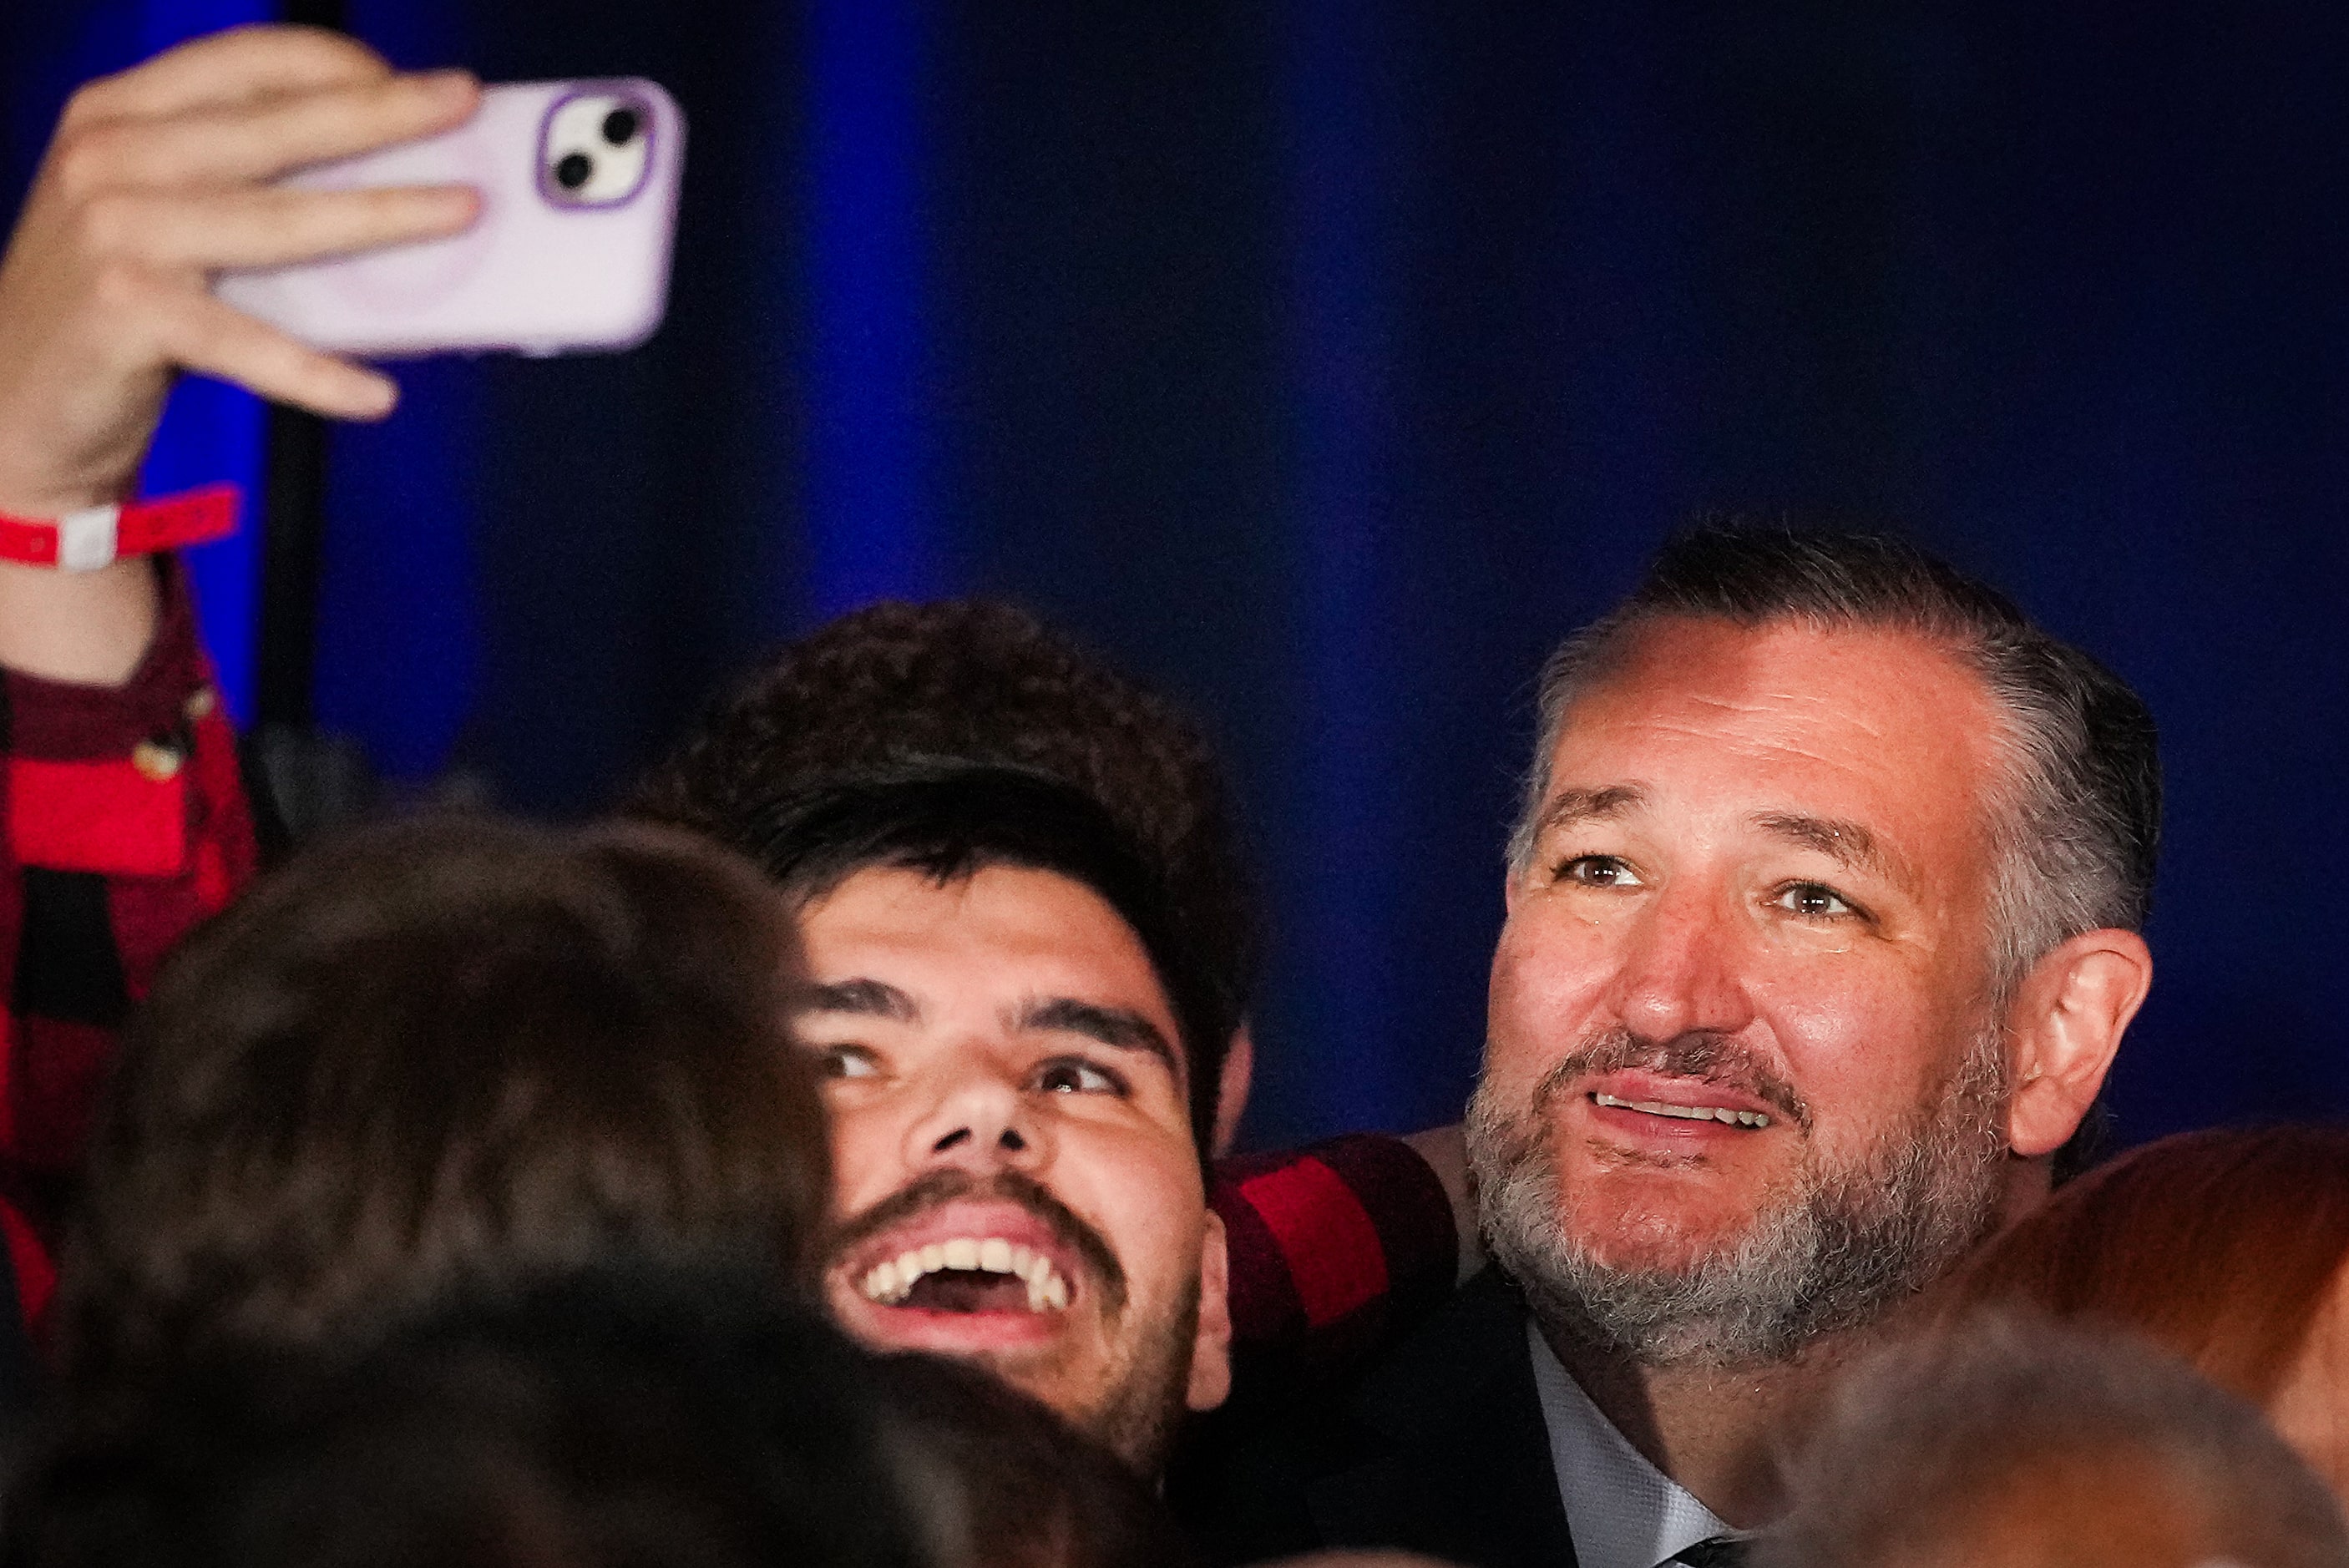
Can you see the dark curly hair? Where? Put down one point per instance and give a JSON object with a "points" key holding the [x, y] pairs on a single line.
{"points": [[976, 681]]}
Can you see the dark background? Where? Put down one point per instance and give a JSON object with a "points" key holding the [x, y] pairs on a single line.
{"points": [[1325, 360]]}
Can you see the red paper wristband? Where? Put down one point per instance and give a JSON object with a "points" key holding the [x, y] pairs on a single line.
{"points": [[100, 535]]}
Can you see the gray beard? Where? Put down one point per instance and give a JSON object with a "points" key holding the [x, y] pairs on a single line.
{"points": [[1837, 1252]]}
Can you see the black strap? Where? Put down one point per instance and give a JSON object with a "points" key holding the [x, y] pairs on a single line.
{"points": [[1721, 1552]]}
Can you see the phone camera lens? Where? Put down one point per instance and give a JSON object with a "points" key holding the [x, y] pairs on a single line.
{"points": [[620, 127], [572, 169]]}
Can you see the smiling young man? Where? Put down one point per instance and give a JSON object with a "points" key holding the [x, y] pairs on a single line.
{"points": [[1016, 1039], [1332, 1246], [1821, 934], [122, 817]]}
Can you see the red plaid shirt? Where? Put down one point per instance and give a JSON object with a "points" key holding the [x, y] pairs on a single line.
{"points": [[1335, 1248], [126, 823], [123, 824]]}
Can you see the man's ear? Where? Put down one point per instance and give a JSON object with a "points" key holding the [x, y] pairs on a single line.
{"points": [[1211, 1351], [2064, 1025], [1231, 1090]]}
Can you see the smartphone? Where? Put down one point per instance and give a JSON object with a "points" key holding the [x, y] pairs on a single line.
{"points": [[571, 251]]}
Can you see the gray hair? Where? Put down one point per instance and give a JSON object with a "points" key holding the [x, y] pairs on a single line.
{"points": [[2075, 823], [1921, 1446]]}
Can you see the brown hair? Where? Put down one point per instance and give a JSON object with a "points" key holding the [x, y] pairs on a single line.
{"points": [[2220, 1246], [437, 1052], [630, 1417], [2073, 1446], [978, 681]]}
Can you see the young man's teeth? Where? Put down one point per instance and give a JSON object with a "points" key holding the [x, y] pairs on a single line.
{"points": [[894, 1279], [1688, 1112]]}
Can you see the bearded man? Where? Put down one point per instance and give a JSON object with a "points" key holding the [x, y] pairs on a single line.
{"points": [[1822, 931], [1017, 1038]]}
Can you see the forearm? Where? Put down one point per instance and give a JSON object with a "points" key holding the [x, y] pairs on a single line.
{"points": [[87, 628]]}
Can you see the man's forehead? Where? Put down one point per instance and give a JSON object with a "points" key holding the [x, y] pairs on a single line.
{"points": [[1786, 681], [996, 899], [1790, 666], [1005, 934], [1878, 726]]}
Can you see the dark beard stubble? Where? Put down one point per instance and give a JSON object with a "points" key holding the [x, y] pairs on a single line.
{"points": [[1145, 1395], [1146, 1403]]}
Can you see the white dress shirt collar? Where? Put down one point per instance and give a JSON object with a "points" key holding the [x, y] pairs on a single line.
{"points": [[1623, 1512]]}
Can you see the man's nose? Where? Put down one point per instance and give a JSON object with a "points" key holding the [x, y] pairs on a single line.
{"points": [[1684, 968], [981, 1121]]}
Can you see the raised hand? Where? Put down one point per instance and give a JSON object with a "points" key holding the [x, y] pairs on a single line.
{"points": [[157, 178]]}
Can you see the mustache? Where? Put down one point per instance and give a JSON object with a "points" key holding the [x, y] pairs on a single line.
{"points": [[939, 1187], [1702, 1054]]}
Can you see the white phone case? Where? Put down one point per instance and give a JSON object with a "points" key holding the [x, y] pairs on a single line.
{"points": [[571, 250]]}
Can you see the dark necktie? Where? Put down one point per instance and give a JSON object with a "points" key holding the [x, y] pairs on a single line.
{"points": [[1721, 1552]]}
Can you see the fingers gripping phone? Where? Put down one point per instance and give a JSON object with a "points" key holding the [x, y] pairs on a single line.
{"points": [[578, 182]]}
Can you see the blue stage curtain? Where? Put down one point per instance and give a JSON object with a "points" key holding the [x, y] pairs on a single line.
{"points": [[1326, 362]]}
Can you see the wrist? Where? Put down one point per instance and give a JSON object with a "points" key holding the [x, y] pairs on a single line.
{"points": [[91, 628], [78, 595], [51, 501], [94, 538], [34, 484]]}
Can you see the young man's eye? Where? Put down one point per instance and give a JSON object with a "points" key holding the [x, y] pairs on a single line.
{"points": [[1813, 901], [846, 1062], [1074, 1075], [1598, 871]]}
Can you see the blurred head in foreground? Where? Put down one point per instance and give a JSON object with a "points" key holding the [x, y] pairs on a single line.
{"points": [[1031, 1492], [436, 1052], [621, 1420], [2019, 1443], [2230, 1249]]}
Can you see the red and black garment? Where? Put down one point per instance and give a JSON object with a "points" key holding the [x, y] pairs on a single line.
{"points": [[122, 824]]}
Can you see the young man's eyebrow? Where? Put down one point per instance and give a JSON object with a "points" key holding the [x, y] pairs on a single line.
{"points": [[1569, 808], [1847, 843], [863, 998], [1122, 1028]]}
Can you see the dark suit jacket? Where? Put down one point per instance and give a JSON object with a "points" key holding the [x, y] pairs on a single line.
{"points": [[1438, 1447]]}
